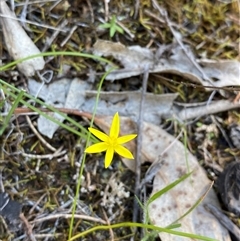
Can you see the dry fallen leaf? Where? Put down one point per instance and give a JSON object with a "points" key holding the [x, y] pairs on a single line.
{"points": [[176, 202], [171, 60], [172, 205], [63, 93], [127, 103], [75, 94], [18, 43]]}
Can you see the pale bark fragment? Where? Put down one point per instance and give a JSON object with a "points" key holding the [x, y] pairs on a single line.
{"points": [[18, 43]]}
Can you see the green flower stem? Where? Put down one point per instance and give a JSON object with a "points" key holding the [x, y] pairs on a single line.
{"points": [[60, 53], [14, 106], [141, 225], [74, 205]]}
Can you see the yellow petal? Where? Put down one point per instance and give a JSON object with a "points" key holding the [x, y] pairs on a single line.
{"points": [[99, 134], [124, 139], [114, 130], [109, 157], [99, 147], [123, 151]]}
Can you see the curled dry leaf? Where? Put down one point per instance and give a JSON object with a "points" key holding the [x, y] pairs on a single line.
{"points": [[18, 43], [169, 59]]}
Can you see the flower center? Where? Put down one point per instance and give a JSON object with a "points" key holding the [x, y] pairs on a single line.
{"points": [[113, 141]]}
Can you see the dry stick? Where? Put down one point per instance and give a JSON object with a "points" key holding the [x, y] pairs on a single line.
{"points": [[91, 11], [68, 216], [136, 8], [69, 35], [33, 23], [214, 107], [28, 111], [36, 204], [39, 136], [223, 219], [53, 6], [108, 223], [106, 10], [54, 35], [58, 153], [139, 144], [40, 1], [183, 112], [126, 29], [28, 227], [1, 182], [23, 16]]}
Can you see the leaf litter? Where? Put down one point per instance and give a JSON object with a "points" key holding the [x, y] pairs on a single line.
{"points": [[14, 36], [166, 59]]}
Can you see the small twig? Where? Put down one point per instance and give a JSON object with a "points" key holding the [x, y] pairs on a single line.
{"points": [[24, 14], [139, 144], [48, 156], [36, 204], [50, 40], [108, 223], [237, 98], [214, 107], [126, 30], [33, 23], [39, 136], [28, 111], [1, 182], [54, 5], [106, 10], [39, 1], [91, 10], [69, 35], [223, 219], [69, 216], [136, 8], [28, 227], [42, 236]]}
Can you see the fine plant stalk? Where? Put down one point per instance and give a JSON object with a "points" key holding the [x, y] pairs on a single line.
{"points": [[185, 138], [157, 195], [9, 115], [84, 156], [59, 53], [141, 225], [167, 188], [194, 205]]}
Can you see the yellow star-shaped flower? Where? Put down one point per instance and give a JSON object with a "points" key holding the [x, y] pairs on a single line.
{"points": [[111, 143]]}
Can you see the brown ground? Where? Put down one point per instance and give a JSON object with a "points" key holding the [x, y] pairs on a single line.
{"points": [[211, 28]]}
